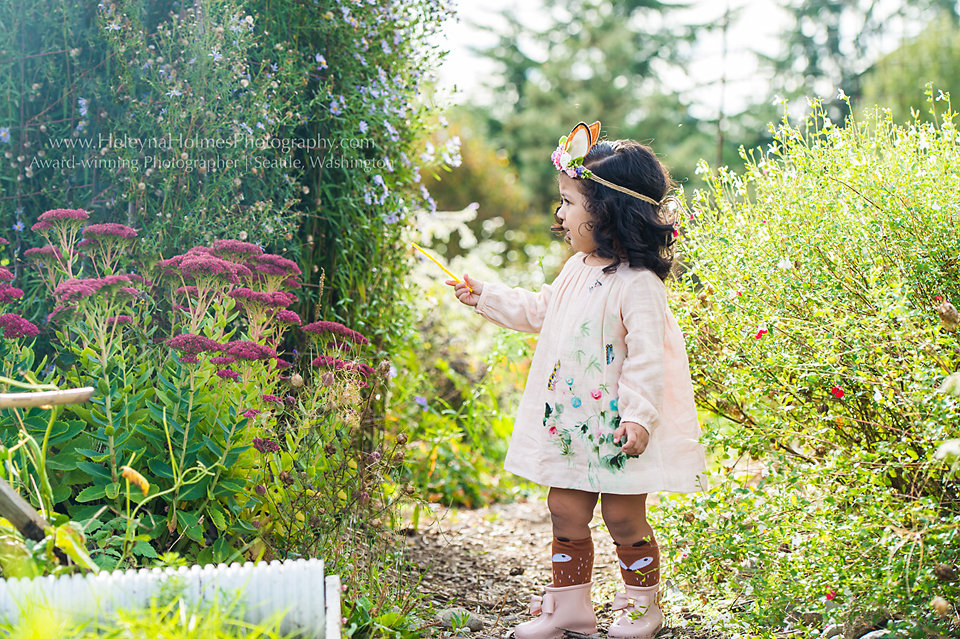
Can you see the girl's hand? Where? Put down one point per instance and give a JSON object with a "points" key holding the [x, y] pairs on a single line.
{"points": [[637, 438], [468, 291]]}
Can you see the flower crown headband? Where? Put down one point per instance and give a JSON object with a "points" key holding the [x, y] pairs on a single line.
{"points": [[574, 147]]}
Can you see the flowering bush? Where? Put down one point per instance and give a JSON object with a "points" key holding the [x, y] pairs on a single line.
{"points": [[815, 304], [198, 125], [184, 358]]}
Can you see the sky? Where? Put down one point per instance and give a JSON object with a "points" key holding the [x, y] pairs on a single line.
{"points": [[756, 30]]}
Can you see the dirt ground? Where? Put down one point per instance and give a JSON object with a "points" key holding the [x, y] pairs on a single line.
{"points": [[491, 560]]}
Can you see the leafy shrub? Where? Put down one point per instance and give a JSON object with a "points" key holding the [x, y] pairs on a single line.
{"points": [[297, 126], [810, 305]]}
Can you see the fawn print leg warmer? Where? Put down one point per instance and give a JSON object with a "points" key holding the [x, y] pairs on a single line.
{"points": [[572, 562], [639, 563]]}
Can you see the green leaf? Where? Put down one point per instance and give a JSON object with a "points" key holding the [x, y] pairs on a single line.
{"points": [[189, 525], [144, 549], [63, 431], [61, 494], [63, 461], [93, 454], [222, 550], [91, 493], [160, 468], [195, 491], [229, 487], [217, 516], [213, 447], [112, 490], [94, 470]]}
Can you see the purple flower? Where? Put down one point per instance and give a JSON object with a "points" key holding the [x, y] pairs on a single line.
{"points": [[56, 215], [325, 361], [5, 274], [197, 266], [220, 361], [72, 290], [359, 367], [271, 398], [60, 309], [419, 399], [319, 328], [288, 267], [287, 317], [119, 319], [277, 299], [110, 230], [282, 365], [47, 253], [265, 445], [235, 248], [290, 400], [15, 326], [9, 293], [250, 413], [248, 350], [191, 344], [227, 373], [40, 226], [189, 359]]}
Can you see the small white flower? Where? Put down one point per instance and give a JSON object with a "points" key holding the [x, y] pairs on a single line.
{"points": [[565, 159], [113, 26], [216, 55], [877, 395], [785, 264], [841, 95]]}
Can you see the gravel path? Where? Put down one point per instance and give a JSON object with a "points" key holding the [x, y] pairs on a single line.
{"points": [[491, 560]]}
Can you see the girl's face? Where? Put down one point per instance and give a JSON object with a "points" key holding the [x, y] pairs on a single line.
{"points": [[574, 217]]}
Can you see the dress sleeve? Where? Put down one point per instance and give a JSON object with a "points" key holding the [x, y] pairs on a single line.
{"points": [[643, 309], [515, 308]]}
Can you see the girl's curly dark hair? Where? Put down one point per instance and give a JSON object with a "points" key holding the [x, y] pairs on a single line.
{"points": [[625, 228]]}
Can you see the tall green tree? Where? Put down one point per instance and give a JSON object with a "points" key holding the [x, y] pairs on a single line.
{"points": [[898, 80], [595, 61], [830, 43]]}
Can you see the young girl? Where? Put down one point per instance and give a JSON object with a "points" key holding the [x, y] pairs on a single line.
{"points": [[608, 408]]}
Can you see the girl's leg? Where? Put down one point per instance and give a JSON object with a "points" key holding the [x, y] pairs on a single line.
{"points": [[626, 519], [571, 512], [566, 604]]}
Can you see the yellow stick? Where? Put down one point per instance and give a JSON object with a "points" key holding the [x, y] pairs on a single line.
{"points": [[434, 260]]}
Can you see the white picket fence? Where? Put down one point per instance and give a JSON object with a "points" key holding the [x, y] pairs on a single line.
{"points": [[309, 602]]}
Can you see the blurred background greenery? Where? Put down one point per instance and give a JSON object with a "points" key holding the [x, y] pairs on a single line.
{"points": [[695, 80]]}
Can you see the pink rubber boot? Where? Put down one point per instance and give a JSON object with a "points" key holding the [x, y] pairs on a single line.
{"points": [[641, 617], [560, 609]]}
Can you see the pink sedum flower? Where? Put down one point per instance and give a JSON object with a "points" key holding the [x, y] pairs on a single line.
{"points": [[335, 328], [57, 215], [109, 230], [191, 344], [15, 327], [287, 317], [248, 350], [9, 293]]}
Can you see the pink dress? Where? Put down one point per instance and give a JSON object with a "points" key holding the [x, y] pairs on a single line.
{"points": [[609, 350]]}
